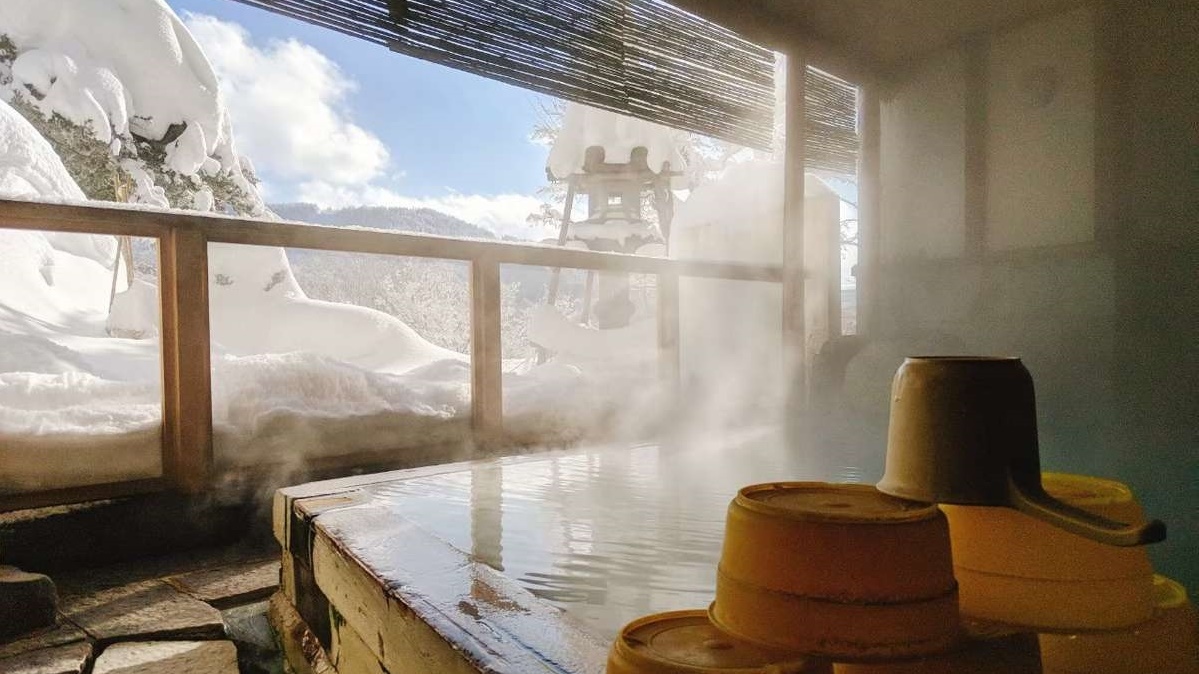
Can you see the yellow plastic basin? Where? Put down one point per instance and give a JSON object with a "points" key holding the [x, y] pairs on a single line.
{"points": [[826, 541], [987, 649], [685, 642], [1014, 568], [836, 570], [1164, 644], [835, 629]]}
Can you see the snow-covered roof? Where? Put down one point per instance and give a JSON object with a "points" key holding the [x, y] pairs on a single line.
{"points": [[584, 126]]}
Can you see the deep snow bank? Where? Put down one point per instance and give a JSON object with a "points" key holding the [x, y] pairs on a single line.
{"points": [[64, 419], [292, 376], [129, 69]]}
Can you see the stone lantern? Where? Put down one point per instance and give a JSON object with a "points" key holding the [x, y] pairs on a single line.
{"points": [[618, 163]]}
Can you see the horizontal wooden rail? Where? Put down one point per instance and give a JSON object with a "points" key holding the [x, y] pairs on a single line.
{"points": [[116, 220], [184, 239]]}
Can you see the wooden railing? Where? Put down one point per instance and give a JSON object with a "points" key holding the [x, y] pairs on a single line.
{"points": [[183, 238]]}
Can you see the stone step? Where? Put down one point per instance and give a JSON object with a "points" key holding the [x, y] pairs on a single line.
{"points": [[146, 610], [168, 657], [231, 585], [28, 601]]}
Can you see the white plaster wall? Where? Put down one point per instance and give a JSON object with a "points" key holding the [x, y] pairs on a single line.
{"points": [[1041, 133], [923, 163]]}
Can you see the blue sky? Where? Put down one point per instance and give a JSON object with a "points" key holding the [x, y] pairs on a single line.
{"points": [[445, 134]]}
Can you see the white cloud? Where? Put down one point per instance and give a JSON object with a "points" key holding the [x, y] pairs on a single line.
{"points": [[503, 214], [288, 105], [290, 115]]}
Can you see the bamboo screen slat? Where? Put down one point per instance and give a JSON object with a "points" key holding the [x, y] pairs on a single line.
{"points": [[830, 132]]}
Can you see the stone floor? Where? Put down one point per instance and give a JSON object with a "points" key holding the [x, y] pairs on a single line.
{"points": [[199, 613]]}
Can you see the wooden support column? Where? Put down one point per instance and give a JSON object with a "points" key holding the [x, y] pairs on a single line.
{"points": [[976, 51], [793, 230], [186, 368], [822, 269], [869, 208], [486, 392], [668, 329], [1111, 121]]}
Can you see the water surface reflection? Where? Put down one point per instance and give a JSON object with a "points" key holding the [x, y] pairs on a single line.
{"points": [[607, 534]]}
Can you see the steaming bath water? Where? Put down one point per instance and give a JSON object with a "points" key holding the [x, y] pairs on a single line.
{"points": [[606, 534]]}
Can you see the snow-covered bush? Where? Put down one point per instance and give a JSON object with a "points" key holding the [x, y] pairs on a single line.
{"points": [[105, 156]]}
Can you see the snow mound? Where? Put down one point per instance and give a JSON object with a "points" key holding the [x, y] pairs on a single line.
{"points": [[29, 167], [280, 319], [120, 64], [739, 216], [755, 186], [128, 73], [635, 344], [45, 275]]}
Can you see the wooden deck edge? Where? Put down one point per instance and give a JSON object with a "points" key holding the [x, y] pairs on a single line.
{"points": [[422, 605], [301, 649]]}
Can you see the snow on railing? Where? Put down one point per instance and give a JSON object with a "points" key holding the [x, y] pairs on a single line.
{"points": [[187, 447]]}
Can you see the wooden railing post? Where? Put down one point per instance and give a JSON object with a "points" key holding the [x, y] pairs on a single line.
{"points": [[186, 348], [869, 210], [486, 392]]}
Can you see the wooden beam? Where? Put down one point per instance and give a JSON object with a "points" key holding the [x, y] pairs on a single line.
{"points": [[869, 209], [757, 21], [90, 492], [1111, 120], [793, 228], [976, 51], [187, 453], [486, 401], [822, 276]]}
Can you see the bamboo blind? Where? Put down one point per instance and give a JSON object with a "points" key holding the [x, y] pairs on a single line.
{"points": [[830, 128], [643, 58]]}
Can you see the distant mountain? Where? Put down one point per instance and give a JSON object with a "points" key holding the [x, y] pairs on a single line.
{"points": [[421, 220], [307, 264]]}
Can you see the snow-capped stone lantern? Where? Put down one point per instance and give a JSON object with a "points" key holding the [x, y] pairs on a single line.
{"points": [[617, 162]]}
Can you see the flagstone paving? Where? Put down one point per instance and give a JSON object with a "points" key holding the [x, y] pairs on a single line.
{"points": [[196, 614], [231, 585]]}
